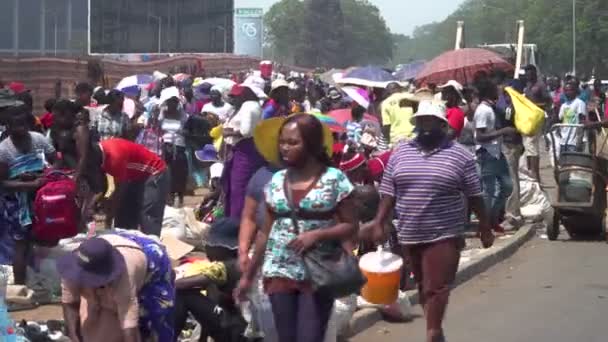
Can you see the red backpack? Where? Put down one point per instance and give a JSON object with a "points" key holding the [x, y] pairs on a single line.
{"points": [[55, 209]]}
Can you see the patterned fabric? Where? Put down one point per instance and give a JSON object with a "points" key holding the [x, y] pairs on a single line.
{"points": [[111, 126], [157, 296], [430, 190], [10, 229], [26, 163], [281, 261], [151, 139]]}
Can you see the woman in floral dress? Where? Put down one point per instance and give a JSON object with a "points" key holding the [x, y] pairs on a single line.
{"points": [[325, 220]]}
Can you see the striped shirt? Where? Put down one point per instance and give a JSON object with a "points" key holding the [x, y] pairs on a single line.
{"points": [[430, 190]]}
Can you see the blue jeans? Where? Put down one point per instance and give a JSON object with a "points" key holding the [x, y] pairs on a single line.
{"points": [[496, 183]]}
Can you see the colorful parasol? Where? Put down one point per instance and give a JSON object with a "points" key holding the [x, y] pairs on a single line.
{"points": [[369, 76], [330, 122], [132, 84], [344, 115]]}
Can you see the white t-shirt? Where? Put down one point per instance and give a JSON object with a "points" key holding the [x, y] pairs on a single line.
{"points": [[569, 113], [173, 129], [244, 121], [222, 112], [485, 118]]}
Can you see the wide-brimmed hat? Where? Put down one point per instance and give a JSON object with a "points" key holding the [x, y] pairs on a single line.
{"points": [[224, 232], [266, 138], [453, 84], [423, 94], [353, 163], [358, 95], [207, 155], [278, 83], [256, 84], [169, 93], [95, 263], [431, 108]]}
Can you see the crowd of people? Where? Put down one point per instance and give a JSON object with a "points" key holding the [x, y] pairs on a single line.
{"points": [[286, 174]]}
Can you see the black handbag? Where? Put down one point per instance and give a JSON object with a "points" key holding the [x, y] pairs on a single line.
{"points": [[334, 274]]}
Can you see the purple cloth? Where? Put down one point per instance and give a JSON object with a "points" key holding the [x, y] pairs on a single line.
{"points": [[238, 170], [301, 317], [430, 191]]}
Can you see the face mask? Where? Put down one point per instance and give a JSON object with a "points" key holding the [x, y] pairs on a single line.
{"points": [[430, 138]]}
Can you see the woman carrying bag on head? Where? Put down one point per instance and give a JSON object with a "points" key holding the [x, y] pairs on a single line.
{"points": [[308, 210]]}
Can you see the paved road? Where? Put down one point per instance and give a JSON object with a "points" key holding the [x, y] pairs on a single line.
{"points": [[546, 292]]}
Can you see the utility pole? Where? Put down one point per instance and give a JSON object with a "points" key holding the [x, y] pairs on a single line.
{"points": [[160, 26], [574, 37]]}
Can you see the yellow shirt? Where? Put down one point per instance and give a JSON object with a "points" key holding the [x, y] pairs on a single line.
{"points": [[399, 118]]}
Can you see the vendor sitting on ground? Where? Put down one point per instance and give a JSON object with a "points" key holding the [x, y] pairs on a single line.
{"points": [[118, 288], [204, 287]]}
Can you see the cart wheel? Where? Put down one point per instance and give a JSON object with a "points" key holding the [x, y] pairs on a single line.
{"points": [[553, 229]]}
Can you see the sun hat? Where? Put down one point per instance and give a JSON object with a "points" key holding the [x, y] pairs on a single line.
{"points": [[276, 84], [353, 163], [207, 154], [168, 93], [358, 95], [431, 108], [266, 138], [95, 263], [257, 85], [224, 232], [454, 84], [424, 94]]}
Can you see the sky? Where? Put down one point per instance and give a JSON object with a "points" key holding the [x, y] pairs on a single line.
{"points": [[402, 16]]}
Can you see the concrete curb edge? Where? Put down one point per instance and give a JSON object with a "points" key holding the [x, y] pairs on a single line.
{"points": [[365, 318]]}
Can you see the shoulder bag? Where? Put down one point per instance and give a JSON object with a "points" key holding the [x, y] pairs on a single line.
{"points": [[334, 274]]}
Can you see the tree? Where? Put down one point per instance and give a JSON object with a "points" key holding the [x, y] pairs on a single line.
{"points": [[548, 24], [284, 22], [329, 33], [322, 34]]}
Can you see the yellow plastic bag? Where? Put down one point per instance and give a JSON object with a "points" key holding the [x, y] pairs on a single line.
{"points": [[529, 118]]}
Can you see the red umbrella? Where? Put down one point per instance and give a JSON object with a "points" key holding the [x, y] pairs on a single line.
{"points": [[461, 65], [344, 115]]}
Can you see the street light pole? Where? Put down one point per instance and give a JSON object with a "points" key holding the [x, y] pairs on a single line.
{"points": [[574, 37], [55, 21], [160, 25]]}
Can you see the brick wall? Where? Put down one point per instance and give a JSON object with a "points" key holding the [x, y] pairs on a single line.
{"points": [[47, 76]]}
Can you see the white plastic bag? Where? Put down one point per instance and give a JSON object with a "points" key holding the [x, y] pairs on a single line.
{"points": [[535, 203], [174, 223], [339, 321], [400, 310], [261, 322]]}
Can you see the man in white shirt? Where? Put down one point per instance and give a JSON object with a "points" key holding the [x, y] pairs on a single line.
{"points": [[493, 165], [574, 112], [218, 106]]}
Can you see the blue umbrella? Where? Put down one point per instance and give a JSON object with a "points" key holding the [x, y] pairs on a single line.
{"points": [[369, 76], [409, 71], [132, 84]]}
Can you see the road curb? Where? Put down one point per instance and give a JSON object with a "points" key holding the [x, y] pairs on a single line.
{"points": [[365, 318]]}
